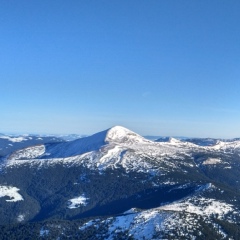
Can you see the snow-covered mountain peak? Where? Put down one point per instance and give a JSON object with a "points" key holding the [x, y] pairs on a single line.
{"points": [[123, 135]]}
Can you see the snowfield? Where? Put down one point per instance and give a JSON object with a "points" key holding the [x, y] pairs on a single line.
{"points": [[11, 192]]}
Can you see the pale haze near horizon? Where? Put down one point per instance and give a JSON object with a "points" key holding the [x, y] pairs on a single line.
{"points": [[168, 68]]}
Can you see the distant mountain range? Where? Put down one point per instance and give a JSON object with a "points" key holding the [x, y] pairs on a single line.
{"points": [[117, 184]]}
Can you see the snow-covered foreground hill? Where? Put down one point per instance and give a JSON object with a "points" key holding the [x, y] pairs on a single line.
{"points": [[128, 186]]}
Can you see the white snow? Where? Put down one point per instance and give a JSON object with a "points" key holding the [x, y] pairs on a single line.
{"points": [[77, 202], [174, 141], [131, 157], [212, 161], [225, 146], [201, 206], [111, 156], [28, 153], [87, 224], [179, 220], [229, 167], [130, 211], [11, 192], [140, 225], [20, 217]]}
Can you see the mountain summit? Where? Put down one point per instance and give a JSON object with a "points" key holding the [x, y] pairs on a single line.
{"points": [[112, 136], [123, 135]]}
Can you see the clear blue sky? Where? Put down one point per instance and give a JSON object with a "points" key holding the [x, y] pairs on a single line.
{"points": [[158, 67]]}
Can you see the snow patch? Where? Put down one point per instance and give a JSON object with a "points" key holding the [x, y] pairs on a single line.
{"points": [[11, 192], [20, 217], [77, 202], [212, 161], [87, 224], [228, 167]]}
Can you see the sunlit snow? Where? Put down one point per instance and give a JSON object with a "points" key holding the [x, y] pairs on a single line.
{"points": [[20, 217], [200, 206], [211, 161], [28, 153], [11, 192], [77, 202]]}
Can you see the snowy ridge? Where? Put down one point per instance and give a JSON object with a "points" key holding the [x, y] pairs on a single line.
{"points": [[201, 206], [28, 153], [140, 225], [118, 147], [225, 146], [115, 135], [162, 222], [112, 148], [114, 156]]}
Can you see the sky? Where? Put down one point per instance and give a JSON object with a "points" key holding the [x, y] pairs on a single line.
{"points": [[157, 67]]}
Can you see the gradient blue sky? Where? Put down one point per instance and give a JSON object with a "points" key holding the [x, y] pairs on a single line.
{"points": [[158, 67]]}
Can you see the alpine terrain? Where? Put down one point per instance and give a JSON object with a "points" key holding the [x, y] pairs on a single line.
{"points": [[117, 184]]}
